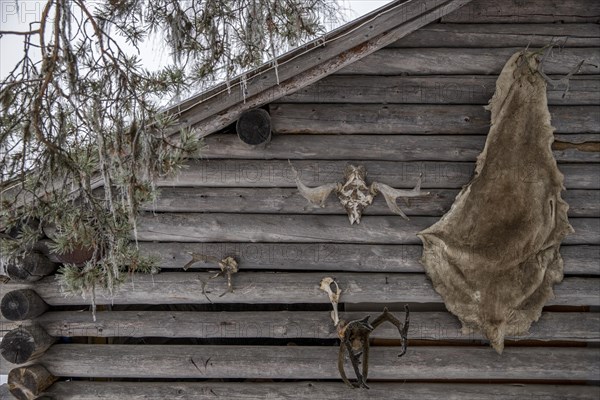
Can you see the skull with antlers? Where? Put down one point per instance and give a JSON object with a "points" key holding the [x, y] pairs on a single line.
{"points": [[355, 195]]}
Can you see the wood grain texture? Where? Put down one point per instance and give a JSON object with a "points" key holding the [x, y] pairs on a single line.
{"points": [[510, 11], [287, 288], [502, 35], [383, 147], [220, 227], [432, 89], [74, 390], [582, 203], [278, 173], [579, 260], [552, 326], [302, 362], [465, 61], [394, 119]]}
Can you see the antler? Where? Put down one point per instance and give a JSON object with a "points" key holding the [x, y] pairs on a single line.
{"points": [[392, 194], [317, 195], [354, 337], [197, 257]]}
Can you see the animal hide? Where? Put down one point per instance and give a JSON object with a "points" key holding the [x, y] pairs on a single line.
{"points": [[494, 256]]}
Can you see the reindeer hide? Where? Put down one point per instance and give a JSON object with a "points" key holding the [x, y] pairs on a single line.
{"points": [[494, 256]]}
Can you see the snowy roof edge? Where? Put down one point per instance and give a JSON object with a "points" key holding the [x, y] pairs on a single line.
{"points": [[218, 107]]}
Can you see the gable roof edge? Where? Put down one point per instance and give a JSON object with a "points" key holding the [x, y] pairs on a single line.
{"points": [[218, 107]]}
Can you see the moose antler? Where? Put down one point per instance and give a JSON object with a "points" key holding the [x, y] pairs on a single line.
{"points": [[391, 195], [354, 194], [317, 195]]}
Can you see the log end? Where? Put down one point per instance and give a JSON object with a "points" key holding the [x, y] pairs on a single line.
{"points": [[254, 127], [30, 268], [22, 304], [25, 343], [28, 382]]}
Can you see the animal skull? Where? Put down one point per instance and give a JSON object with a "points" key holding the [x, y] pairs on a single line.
{"points": [[355, 195]]}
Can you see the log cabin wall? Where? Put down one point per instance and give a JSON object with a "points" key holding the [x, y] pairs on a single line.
{"points": [[414, 107]]}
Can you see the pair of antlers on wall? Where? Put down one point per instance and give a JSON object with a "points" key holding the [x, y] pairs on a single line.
{"points": [[354, 335], [354, 194]]}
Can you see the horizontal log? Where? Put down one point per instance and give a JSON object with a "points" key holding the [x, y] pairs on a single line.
{"points": [[502, 35], [288, 288], [278, 173], [582, 203], [218, 227], [483, 11], [432, 89], [303, 362], [482, 61], [73, 390], [578, 260], [552, 326], [396, 119], [387, 147]]}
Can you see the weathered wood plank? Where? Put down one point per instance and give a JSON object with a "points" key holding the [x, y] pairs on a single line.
{"points": [[579, 260], [581, 327], [502, 35], [482, 11], [303, 362], [582, 203], [288, 288], [73, 390], [432, 89], [396, 119], [465, 61], [386, 147], [278, 173], [219, 227]]}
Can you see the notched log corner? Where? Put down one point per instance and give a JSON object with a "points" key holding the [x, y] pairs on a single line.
{"points": [[22, 304], [26, 383], [25, 343]]}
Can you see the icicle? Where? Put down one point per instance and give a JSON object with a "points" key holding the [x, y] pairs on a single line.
{"points": [[276, 66], [244, 86]]}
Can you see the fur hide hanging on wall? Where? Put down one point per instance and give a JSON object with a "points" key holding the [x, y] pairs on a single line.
{"points": [[494, 256]]}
